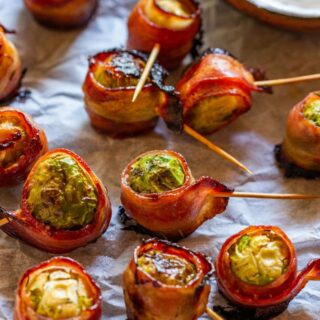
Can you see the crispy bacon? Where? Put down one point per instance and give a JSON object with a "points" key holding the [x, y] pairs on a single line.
{"points": [[175, 37], [62, 14], [24, 311], [26, 227], [176, 213], [10, 67], [299, 153], [264, 301], [111, 109], [217, 74], [25, 141], [148, 298]]}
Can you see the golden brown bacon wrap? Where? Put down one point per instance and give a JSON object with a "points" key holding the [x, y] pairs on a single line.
{"points": [[22, 142], [59, 268], [41, 221], [151, 22], [176, 213], [300, 151], [109, 87], [215, 91], [62, 14], [10, 67], [148, 297], [268, 300]]}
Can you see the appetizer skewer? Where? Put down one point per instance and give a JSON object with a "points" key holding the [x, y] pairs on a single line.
{"points": [[108, 89], [217, 89], [162, 272], [62, 14], [59, 288], [21, 144], [299, 152], [64, 205], [10, 67], [256, 270], [159, 184], [174, 24]]}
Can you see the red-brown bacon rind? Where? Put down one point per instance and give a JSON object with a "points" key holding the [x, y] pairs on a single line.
{"points": [[22, 310], [216, 74], [10, 67], [48, 239], [62, 14], [117, 102], [147, 298], [34, 147], [178, 212], [262, 302], [299, 153], [143, 34]]}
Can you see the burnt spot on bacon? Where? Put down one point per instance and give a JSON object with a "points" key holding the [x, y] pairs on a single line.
{"points": [[232, 312], [291, 170]]}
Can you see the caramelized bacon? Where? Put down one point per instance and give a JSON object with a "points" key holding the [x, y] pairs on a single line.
{"points": [[263, 301], [25, 226], [299, 153], [176, 213], [109, 88], [150, 23], [215, 91], [23, 306], [62, 14], [149, 298], [10, 67], [21, 144]]}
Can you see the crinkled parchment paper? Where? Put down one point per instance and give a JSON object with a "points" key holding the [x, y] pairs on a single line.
{"points": [[57, 63]]}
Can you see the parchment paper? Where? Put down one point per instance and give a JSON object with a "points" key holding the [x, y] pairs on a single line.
{"points": [[57, 63]]}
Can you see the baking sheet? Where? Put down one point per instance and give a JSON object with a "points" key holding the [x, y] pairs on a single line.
{"points": [[57, 63]]}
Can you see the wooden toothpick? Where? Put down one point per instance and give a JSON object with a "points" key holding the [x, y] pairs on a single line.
{"points": [[213, 315], [280, 82], [152, 59], [215, 148], [4, 221], [293, 196]]}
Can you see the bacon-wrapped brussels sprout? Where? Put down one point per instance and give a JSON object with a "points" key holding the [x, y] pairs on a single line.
{"points": [[174, 24], [159, 192], [57, 289], [64, 205], [256, 269], [10, 67], [109, 87], [21, 144], [299, 153], [215, 91], [166, 281], [62, 14]]}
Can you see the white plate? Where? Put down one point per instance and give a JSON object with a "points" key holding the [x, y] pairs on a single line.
{"points": [[293, 8]]}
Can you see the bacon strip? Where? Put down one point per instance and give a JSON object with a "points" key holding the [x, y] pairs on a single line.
{"points": [[23, 311], [27, 228], [62, 14], [111, 109], [175, 44], [35, 145], [215, 75], [177, 213], [300, 152], [10, 67], [147, 298], [270, 299]]}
